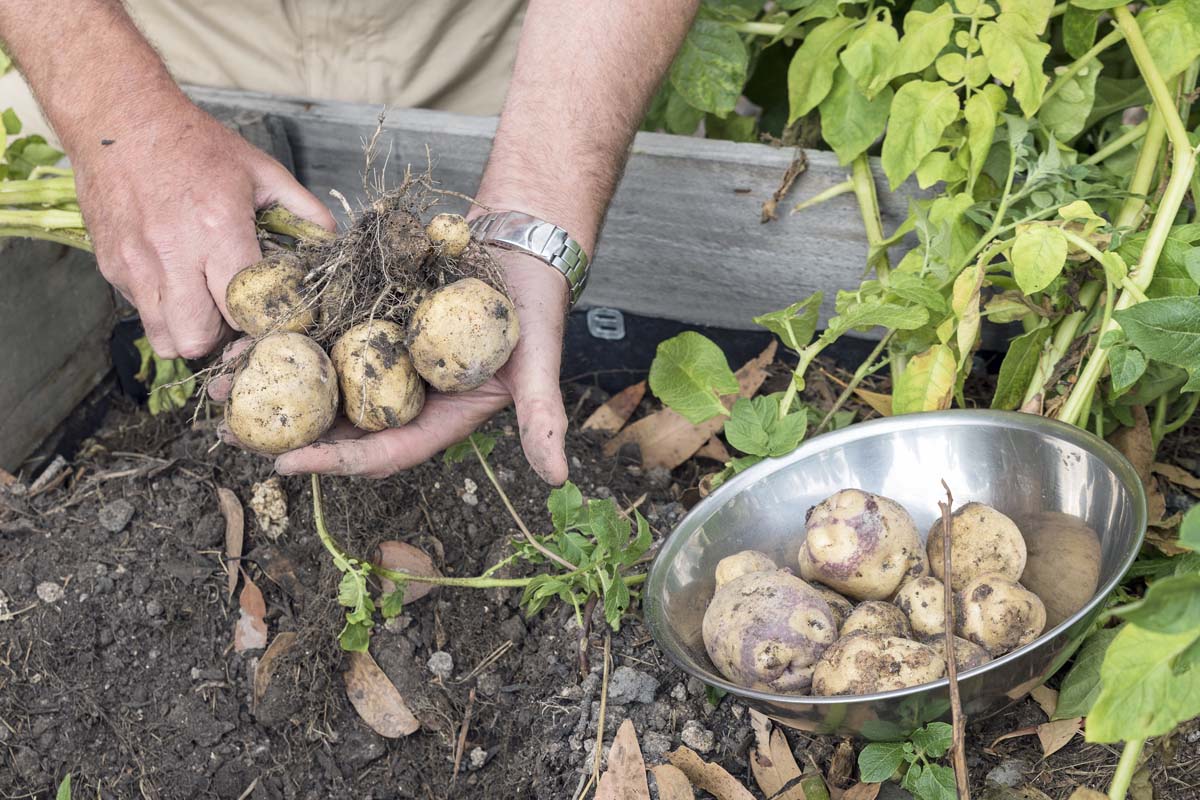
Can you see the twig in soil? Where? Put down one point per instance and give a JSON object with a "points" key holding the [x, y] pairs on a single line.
{"points": [[249, 790], [462, 736], [584, 637], [958, 749], [492, 658], [603, 707]]}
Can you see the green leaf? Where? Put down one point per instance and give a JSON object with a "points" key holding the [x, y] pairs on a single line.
{"points": [[756, 429], [745, 430], [1167, 330], [643, 540], [850, 122], [616, 600], [1081, 686], [351, 589], [926, 382], [5, 62], [870, 56], [64, 788], [1172, 33], [1127, 365], [796, 324], [1016, 371], [690, 374], [1097, 5], [1038, 257], [934, 739], [1035, 13], [456, 453], [1015, 57], [680, 116], [917, 290], [710, 69], [911, 776], [935, 783], [1170, 605], [925, 34], [565, 504], [392, 603], [878, 761], [1079, 30], [607, 525], [810, 73], [12, 126], [733, 128], [921, 111], [355, 637], [1189, 529], [1066, 113], [867, 315]]}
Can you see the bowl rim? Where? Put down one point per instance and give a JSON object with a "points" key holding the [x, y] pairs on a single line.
{"points": [[702, 511]]}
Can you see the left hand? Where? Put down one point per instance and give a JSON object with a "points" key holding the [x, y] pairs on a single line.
{"points": [[530, 380]]}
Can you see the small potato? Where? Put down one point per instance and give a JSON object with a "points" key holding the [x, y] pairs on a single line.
{"points": [[861, 545], [840, 606], [462, 334], [285, 395], [450, 233], [876, 616], [967, 655], [743, 563], [870, 662], [923, 600], [982, 541], [1060, 545], [270, 295], [380, 388], [765, 630], [999, 614]]}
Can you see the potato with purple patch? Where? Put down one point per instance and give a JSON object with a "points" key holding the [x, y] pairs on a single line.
{"points": [[870, 662], [999, 614], [967, 655], [876, 616], [862, 545], [840, 606], [982, 541], [743, 563], [923, 601], [765, 630]]}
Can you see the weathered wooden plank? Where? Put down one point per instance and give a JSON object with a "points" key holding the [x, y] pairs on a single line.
{"points": [[683, 239]]}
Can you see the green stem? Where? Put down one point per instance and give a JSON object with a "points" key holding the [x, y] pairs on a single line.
{"points": [[1064, 335], [1143, 171], [1126, 767], [1193, 398], [758, 28], [868, 206], [836, 190], [1159, 423], [47, 219], [277, 219], [59, 172], [46, 192], [867, 367], [72, 237], [1118, 143], [1080, 63]]}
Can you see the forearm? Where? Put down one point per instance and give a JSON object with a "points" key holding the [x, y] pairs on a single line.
{"points": [[584, 74]]}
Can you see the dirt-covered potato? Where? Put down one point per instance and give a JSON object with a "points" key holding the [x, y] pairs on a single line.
{"points": [[840, 606], [871, 662], [743, 563], [450, 233], [765, 630], [270, 295], [379, 387], [967, 655], [862, 545], [1060, 545], [876, 616], [923, 601], [284, 396], [982, 541], [462, 334], [999, 614]]}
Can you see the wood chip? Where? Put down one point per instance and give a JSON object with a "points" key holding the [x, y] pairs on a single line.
{"points": [[235, 528], [712, 778], [715, 449], [612, 416], [265, 669], [376, 699], [625, 778], [1047, 698], [672, 783], [667, 439], [862, 791], [841, 767], [1055, 735], [771, 760], [1084, 793], [250, 633], [403, 557], [1178, 476]]}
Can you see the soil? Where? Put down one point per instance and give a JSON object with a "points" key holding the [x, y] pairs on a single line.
{"points": [[129, 680]]}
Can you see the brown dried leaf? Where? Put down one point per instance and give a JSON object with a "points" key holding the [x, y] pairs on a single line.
{"points": [[771, 761], [841, 767], [376, 699], [403, 557], [712, 778], [279, 567], [1054, 736], [250, 633], [625, 778], [1084, 793], [1045, 697], [6, 477], [862, 791], [266, 665], [1030, 731], [795, 170], [612, 416], [235, 528], [1165, 536], [672, 783], [881, 403], [715, 449], [1178, 476], [1137, 445]]}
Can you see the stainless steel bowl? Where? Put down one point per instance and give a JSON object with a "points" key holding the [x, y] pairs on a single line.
{"points": [[1019, 463]]}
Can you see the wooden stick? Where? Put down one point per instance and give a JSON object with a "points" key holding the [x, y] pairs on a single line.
{"points": [[958, 749], [462, 736]]}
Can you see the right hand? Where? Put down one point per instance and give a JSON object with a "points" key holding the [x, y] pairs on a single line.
{"points": [[170, 205]]}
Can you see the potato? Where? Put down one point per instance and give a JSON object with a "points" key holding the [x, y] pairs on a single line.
{"points": [[462, 334], [743, 563], [285, 395], [999, 614], [861, 545], [380, 388], [876, 616], [982, 541], [269, 296], [1060, 545], [765, 630], [450, 233], [967, 655], [840, 606], [870, 662], [923, 601]]}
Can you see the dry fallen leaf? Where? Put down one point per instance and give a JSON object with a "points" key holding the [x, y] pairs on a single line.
{"points": [[862, 791], [250, 633], [1045, 697], [1178, 476], [714, 449], [266, 665], [771, 761], [712, 778], [279, 567], [376, 699], [881, 403], [625, 778], [672, 783], [7, 478], [795, 170], [1084, 793], [1054, 736], [841, 767], [235, 526], [404, 557], [1137, 445], [612, 416], [1165, 536], [1030, 731]]}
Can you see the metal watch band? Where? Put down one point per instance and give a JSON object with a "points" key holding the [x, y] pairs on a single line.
{"points": [[512, 230]]}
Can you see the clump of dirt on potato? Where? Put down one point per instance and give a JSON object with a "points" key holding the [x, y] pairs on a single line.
{"points": [[873, 662], [876, 616]]}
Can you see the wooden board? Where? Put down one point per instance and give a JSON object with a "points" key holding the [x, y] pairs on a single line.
{"points": [[683, 239]]}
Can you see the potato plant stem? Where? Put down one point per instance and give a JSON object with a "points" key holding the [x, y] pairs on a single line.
{"points": [[1143, 171], [868, 206], [46, 218], [47, 192], [867, 366], [1118, 143], [1126, 768], [1081, 63], [758, 28], [838, 189], [277, 219], [73, 237]]}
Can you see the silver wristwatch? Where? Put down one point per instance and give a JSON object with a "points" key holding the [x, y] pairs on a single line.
{"points": [[512, 230]]}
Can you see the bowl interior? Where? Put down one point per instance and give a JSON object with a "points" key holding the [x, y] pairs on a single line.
{"points": [[1018, 463]]}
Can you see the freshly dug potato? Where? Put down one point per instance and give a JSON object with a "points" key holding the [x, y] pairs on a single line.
{"points": [[967, 655], [923, 601], [1063, 566], [871, 662], [380, 388], [450, 233], [268, 294], [285, 395], [765, 630], [876, 616], [840, 606], [462, 334], [982, 541], [861, 545], [743, 563], [999, 614]]}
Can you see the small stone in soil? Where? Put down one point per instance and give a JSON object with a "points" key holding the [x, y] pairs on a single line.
{"points": [[678, 692], [116, 515], [697, 737], [153, 608], [513, 628], [489, 684], [1010, 772], [477, 758], [49, 592], [658, 477], [629, 685], [441, 664], [655, 745], [140, 584]]}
